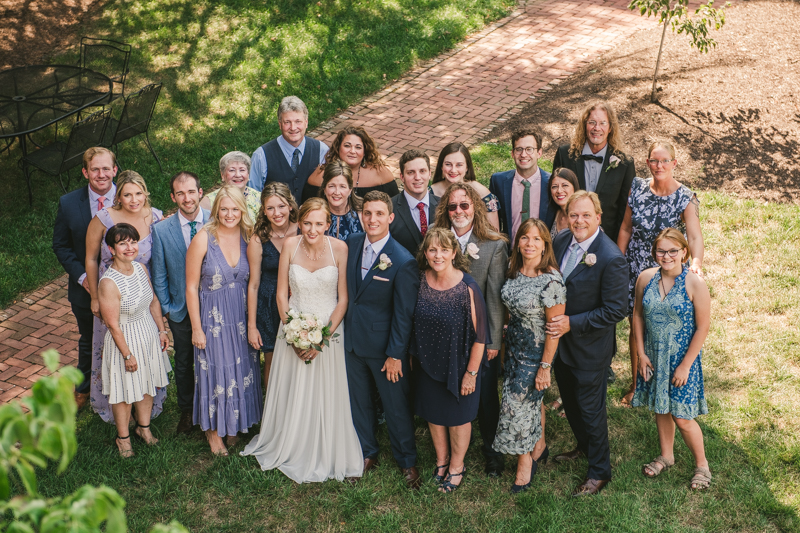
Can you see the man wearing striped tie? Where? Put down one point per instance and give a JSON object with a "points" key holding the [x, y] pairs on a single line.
{"points": [[595, 274]]}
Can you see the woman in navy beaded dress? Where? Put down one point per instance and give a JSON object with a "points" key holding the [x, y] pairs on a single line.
{"points": [[451, 331], [276, 221], [345, 205]]}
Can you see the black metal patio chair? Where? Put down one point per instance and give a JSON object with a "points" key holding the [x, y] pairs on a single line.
{"points": [[107, 57], [134, 119]]}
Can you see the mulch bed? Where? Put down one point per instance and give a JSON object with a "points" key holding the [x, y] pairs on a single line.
{"points": [[733, 114]]}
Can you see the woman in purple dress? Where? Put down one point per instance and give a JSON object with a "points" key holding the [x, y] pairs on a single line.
{"points": [[227, 393], [132, 206]]}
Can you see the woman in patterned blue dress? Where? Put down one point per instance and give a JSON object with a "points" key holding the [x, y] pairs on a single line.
{"points": [[654, 205], [276, 221], [671, 319], [345, 205], [533, 293]]}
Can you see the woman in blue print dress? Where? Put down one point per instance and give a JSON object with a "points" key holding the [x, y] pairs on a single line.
{"points": [[345, 205], [276, 222], [654, 205], [671, 319]]}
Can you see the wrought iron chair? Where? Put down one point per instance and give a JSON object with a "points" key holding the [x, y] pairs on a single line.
{"points": [[134, 119], [58, 158], [107, 57]]}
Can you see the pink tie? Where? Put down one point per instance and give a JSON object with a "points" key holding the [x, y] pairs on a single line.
{"points": [[100, 202]]}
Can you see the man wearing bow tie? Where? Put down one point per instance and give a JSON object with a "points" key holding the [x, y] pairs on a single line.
{"points": [[595, 156]]}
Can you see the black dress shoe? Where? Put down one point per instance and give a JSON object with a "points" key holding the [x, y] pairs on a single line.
{"points": [[568, 456], [590, 487], [495, 466], [185, 424], [612, 377]]}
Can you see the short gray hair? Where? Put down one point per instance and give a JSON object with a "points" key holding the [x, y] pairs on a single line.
{"points": [[234, 157], [292, 103]]}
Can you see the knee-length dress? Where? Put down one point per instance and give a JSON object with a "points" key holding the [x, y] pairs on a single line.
{"points": [[669, 327], [141, 336], [651, 214], [98, 400], [267, 317], [520, 426], [227, 391], [442, 342]]}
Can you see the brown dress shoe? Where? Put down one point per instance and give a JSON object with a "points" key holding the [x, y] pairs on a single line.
{"points": [[413, 481], [370, 464], [185, 424], [568, 456], [81, 399], [590, 487]]}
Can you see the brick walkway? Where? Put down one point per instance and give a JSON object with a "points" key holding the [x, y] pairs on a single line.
{"points": [[461, 95]]}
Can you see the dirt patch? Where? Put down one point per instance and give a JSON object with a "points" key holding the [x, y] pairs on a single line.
{"points": [[733, 114], [31, 30]]}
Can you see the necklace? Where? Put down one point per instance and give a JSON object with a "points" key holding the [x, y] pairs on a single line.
{"points": [[289, 225], [128, 273], [306, 250], [358, 176]]}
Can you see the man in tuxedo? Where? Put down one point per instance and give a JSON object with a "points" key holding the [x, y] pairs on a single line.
{"points": [[596, 277], [523, 192], [415, 207], [291, 157], [382, 286], [462, 209], [595, 156], [75, 210], [171, 239]]}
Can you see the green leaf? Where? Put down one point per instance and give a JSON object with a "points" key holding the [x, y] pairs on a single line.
{"points": [[74, 375], [27, 475], [5, 489], [19, 527], [51, 359], [50, 442], [44, 391]]}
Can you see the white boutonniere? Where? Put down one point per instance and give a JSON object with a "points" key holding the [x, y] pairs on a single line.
{"points": [[613, 162], [384, 262], [589, 259], [472, 250]]}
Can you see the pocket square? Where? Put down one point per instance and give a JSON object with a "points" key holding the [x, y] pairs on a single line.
{"points": [[379, 278]]}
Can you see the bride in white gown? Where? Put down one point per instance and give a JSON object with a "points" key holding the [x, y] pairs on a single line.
{"points": [[307, 429]]}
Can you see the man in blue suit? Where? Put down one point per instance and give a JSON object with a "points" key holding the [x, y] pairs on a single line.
{"points": [[596, 277], [171, 239], [75, 210], [523, 192], [382, 286]]}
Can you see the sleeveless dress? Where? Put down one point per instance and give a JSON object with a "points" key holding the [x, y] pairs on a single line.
{"points": [[669, 327], [343, 225], [520, 426], [390, 188], [227, 391], [307, 431], [141, 336], [650, 214], [97, 399], [267, 317]]}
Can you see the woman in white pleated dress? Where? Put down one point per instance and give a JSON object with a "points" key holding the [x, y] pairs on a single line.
{"points": [[134, 358]]}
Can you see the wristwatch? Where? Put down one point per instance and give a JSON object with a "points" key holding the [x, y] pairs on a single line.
{"points": [[472, 373], [545, 365], [126, 357]]}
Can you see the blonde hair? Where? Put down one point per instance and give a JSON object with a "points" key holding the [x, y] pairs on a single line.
{"points": [[661, 144], [481, 227], [614, 134], [314, 204], [236, 195], [446, 239], [130, 177], [580, 195], [93, 152]]}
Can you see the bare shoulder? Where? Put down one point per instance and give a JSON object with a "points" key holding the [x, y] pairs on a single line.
{"points": [[695, 282], [108, 288], [646, 275], [480, 188], [338, 245]]}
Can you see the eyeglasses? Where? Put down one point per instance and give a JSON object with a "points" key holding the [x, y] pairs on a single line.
{"points": [[671, 253], [594, 123], [463, 205], [530, 150], [656, 162]]}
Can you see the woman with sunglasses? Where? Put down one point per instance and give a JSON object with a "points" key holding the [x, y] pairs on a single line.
{"points": [[654, 205]]}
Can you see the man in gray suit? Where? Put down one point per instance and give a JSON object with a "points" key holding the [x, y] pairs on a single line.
{"points": [[462, 209], [171, 239]]}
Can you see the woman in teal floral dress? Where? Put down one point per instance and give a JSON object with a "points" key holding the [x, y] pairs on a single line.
{"points": [[671, 318], [533, 294]]}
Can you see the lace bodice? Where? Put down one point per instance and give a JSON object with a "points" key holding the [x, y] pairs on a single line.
{"points": [[314, 292]]}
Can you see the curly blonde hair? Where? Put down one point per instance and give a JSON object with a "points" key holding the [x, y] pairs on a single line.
{"points": [[614, 134], [235, 194]]}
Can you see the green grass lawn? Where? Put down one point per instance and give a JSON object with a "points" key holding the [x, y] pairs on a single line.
{"points": [[225, 65], [750, 363]]}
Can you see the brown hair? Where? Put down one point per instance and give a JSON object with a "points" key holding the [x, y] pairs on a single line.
{"points": [[579, 195], [93, 152], [564, 174], [453, 148], [274, 188], [314, 204], [234, 193], [548, 262], [614, 134], [481, 227], [183, 175], [126, 177], [446, 239], [675, 236], [378, 196], [372, 157], [526, 132], [337, 168], [410, 155]]}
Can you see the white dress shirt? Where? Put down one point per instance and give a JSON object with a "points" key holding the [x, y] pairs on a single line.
{"points": [[186, 228], [592, 169], [258, 163], [463, 240], [377, 247], [584, 248], [412, 205]]}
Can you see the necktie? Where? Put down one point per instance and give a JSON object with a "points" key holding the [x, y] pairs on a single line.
{"points": [[295, 160], [366, 262], [100, 202], [192, 230], [526, 200], [590, 157], [571, 260], [423, 220]]}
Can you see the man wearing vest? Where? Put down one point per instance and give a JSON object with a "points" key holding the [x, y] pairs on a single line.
{"points": [[292, 157]]}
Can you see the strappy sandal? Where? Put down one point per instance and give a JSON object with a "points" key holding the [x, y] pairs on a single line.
{"points": [[436, 476], [447, 487], [658, 465], [701, 479], [627, 399], [219, 453], [139, 436], [124, 453], [558, 407]]}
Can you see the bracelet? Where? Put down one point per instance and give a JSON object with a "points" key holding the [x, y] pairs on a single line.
{"points": [[128, 356], [162, 333]]}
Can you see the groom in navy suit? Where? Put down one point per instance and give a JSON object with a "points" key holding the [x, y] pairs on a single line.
{"points": [[596, 277], [382, 286]]}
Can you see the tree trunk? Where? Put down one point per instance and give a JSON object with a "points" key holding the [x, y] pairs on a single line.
{"points": [[658, 61]]}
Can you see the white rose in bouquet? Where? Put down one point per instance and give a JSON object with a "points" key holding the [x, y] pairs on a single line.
{"points": [[315, 336]]}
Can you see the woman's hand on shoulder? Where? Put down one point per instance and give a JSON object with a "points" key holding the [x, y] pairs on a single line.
{"points": [[480, 188]]}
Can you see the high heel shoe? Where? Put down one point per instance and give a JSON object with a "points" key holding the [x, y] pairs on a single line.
{"points": [[516, 489], [138, 436], [439, 478], [545, 455]]}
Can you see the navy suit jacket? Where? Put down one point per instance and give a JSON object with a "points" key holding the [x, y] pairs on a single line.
{"points": [[403, 228], [597, 298], [168, 266], [380, 314], [500, 185], [69, 241]]}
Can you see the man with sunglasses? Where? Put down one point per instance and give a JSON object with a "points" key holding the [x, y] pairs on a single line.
{"points": [[523, 192]]}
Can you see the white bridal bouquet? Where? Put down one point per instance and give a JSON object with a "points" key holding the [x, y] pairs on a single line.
{"points": [[305, 330]]}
